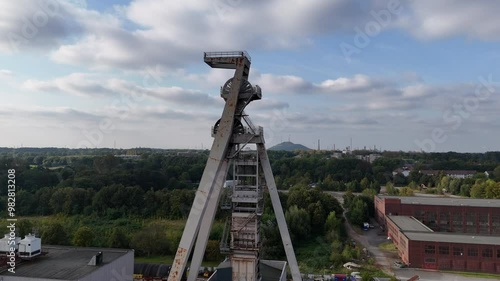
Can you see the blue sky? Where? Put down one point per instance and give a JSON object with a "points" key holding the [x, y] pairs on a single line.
{"points": [[395, 74]]}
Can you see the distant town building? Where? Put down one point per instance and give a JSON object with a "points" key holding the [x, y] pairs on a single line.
{"points": [[128, 156], [337, 155], [404, 172], [456, 174], [368, 158]]}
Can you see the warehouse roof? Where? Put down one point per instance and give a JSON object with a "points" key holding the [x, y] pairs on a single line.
{"points": [[452, 238], [446, 201], [65, 263], [409, 224]]}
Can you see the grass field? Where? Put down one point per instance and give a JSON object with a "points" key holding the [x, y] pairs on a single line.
{"points": [[388, 246]]}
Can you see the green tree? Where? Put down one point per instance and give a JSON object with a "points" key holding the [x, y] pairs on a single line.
{"points": [[298, 222], [369, 192], [455, 186], [26, 203], [118, 239], [496, 173], [444, 184], [317, 215], [390, 189], [60, 200], [465, 190], [25, 227], [492, 189], [375, 185], [406, 191], [413, 185], [212, 252], [365, 183], [151, 241], [353, 186], [347, 253], [84, 237], [478, 189], [55, 234], [358, 213], [366, 276]]}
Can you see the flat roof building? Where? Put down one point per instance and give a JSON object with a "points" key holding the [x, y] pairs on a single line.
{"points": [[448, 234], [73, 263], [444, 214]]}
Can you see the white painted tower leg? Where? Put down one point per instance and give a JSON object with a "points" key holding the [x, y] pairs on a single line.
{"points": [[278, 212]]}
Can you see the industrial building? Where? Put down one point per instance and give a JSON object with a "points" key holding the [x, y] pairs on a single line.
{"points": [[428, 233], [71, 263], [443, 214]]}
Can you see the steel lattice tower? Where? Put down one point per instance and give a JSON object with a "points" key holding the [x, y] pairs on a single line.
{"points": [[252, 176]]}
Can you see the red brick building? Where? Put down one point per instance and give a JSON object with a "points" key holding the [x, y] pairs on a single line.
{"points": [[428, 233]]}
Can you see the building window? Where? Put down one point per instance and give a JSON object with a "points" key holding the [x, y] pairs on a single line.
{"points": [[444, 250], [471, 221], [458, 251], [430, 249], [457, 222], [498, 253], [472, 252], [487, 253]]}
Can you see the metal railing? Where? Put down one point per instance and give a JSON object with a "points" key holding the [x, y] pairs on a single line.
{"points": [[228, 54], [224, 242]]}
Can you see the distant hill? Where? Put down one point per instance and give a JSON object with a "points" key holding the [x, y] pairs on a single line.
{"points": [[289, 146]]}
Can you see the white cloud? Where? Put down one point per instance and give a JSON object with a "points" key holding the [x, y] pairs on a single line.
{"points": [[429, 19], [6, 74], [32, 24], [173, 34], [90, 85]]}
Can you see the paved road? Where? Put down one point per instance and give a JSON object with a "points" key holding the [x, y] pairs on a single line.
{"points": [[381, 259]]}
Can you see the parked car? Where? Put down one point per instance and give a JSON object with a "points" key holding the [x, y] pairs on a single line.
{"points": [[399, 264], [351, 265], [356, 275]]}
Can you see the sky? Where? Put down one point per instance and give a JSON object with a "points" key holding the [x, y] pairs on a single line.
{"points": [[391, 74]]}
